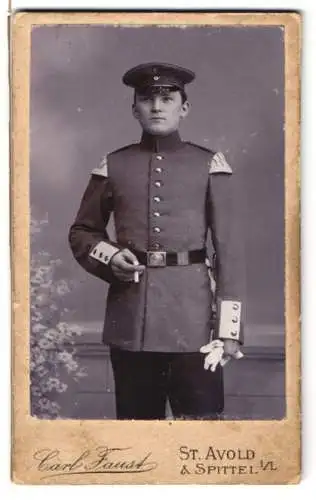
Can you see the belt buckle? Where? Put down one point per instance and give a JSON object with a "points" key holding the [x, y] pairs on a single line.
{"points": [[156, 259]]}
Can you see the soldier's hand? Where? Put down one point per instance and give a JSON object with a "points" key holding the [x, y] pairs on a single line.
{"points": [[214, 352], [231, 347], [124, 264]]}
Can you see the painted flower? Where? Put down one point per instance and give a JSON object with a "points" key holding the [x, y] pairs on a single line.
{"points": [[62, 287], [36, 351], [37, 280], [44, 403], [71, 365], [36, 316], [45, 344], [38, 327], [63, 327], [64, 356], [35, 390], [52, 383], [61, 387], [76, 329], [41, 371], [42, 299], [38, 360], [43, 386], [58, 338], [49, 332]]}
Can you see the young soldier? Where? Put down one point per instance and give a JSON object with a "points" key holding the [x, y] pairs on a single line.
{"points": [[165, 195]]}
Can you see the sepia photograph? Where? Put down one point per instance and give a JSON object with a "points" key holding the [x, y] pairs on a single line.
{"points": [[171, 141], [155, 213]]}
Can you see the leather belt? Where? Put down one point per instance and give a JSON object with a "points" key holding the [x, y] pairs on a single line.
{"points": [[159, 258]]}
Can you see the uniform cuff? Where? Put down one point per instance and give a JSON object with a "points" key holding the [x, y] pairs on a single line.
{"points": [[103, 252], [230, 320]]}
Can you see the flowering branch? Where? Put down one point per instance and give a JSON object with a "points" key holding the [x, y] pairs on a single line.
{"points": [[52, 336]]}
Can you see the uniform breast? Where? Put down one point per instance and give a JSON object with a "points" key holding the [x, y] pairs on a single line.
{"points": [[159, 200]]}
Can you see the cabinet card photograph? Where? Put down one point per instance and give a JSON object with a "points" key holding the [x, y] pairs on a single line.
{"points": [[155, 248]]}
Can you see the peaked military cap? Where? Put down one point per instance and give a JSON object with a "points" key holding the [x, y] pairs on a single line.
{"points": [[157, 74]]}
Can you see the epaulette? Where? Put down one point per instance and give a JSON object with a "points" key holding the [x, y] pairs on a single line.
{"points": [[219, 165], [102, 168]]}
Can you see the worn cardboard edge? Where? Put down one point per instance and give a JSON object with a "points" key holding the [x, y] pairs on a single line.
{"points": [[27, 430]]}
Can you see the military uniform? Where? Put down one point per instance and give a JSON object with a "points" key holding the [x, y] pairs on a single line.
{"points": [[165, 194]]}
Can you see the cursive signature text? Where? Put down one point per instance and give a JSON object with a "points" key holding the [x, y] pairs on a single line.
{"points": [[100, 460]]}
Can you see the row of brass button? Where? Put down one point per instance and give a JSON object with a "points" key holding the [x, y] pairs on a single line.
{"points": [[157, 199]]}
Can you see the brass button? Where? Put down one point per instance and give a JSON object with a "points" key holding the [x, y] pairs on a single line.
{"points": [[157, 214], [234, 319], [158, 170], [159, 157], [157, 229], [235, 307], [158, 184], [233, 334], [157, 199]]}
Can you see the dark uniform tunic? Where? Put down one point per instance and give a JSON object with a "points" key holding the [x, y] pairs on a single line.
{"points": [[165, 194]]}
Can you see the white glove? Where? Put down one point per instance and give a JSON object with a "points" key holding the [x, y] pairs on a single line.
{"points": [[215, 355]]}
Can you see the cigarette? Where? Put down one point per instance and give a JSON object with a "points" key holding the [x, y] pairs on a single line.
{"points": [[136, 277], [238, 355]]}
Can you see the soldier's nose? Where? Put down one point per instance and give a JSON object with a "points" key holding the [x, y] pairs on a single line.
{"points": [[155, 104]]}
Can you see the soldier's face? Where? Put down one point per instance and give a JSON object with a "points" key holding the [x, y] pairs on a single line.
{"points": [[160, 114]]}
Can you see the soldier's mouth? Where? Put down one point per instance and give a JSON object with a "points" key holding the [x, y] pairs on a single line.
{"points": [[157, 119]]}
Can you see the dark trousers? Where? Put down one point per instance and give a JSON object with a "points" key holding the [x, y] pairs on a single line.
{"points": [[145, 380]]}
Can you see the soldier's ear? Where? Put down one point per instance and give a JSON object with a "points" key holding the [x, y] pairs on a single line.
{"points": [[185, 109], [135, 112]]}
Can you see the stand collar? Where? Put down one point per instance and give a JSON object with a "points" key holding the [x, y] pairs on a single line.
{"points": [[158, 143]]}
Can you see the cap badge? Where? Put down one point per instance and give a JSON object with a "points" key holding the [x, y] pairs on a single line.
{"points": [[156, 77]]}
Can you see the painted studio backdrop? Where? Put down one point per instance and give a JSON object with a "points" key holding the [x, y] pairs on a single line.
{"points": [[80, 110]]}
